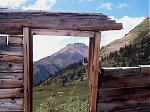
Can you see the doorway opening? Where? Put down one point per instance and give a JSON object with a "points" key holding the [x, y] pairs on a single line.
{"points": [[93, 62], [60, 78]]}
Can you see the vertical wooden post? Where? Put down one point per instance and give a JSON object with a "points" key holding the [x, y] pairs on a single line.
{"points": [[90, 65], [93, 69], [27, 72]]}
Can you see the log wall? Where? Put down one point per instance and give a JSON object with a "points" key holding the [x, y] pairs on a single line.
{"points": [[11, 74], [124, 89]]}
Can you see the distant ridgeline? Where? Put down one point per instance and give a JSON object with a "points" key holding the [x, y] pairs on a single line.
{"points": [[68, 75], [134, 54]]}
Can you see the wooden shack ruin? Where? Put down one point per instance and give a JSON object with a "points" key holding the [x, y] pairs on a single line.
{"points": [[16, 51]]}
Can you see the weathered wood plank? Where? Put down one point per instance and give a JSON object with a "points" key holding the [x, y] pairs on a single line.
{"points": [[124, 88], [11, 93], [62, 32], [11, 58], [18, 76], [11, 50], [3, 40], [145, 69], [11, 83], [15, 40], [90, 66], [27, 83], [145, 108], [123, 98], [14, 20], [11, 105], [128, 81], [121, 71], [13, 67], [95, 71], [124, 91], [117, 105]]}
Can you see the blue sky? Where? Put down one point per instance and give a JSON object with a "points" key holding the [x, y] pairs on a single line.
{"points": [[128, 12], [117, 8]]}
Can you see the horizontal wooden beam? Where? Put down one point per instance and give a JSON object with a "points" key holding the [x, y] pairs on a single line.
{"points": [[127, 81], [74, 33], [117, 92], [15, 40], [120, 71], [12, 58], [145, 69], [11, 67], [11, 93], [130, 106], [10, 83], [11, 50], [18, 76], [12, 21], [11, 105]]}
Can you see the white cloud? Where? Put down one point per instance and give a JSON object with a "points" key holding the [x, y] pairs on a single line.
{"points": [[41, 5], [80, 1], [84, 40], [107, 6], [12, 3], [120, 5], [128, 24], [47, 45]]}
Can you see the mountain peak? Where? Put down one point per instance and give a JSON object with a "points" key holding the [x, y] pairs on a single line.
{"points": [[49, 65], [76, 44]]}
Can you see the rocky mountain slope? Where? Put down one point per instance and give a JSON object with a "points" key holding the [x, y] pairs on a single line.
{"points": [[127, 39], [49, 65]]}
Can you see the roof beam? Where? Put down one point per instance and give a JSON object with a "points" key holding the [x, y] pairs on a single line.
{"points": [[12, 21]]}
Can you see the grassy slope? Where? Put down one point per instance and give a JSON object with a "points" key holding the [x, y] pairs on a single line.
{"points": [[41, 93], [51, 88]]}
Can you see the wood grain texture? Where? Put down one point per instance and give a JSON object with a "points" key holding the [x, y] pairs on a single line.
{"points": [[116, 106], [11, 67], [15, 40], [121, 71], [11, 105], [11, 93], [11, 83], [145, 69], [95, 72], [123, 98], [14, 20], [90, 67], [18, 76], [27, 77], [136, 109], [125, 81], [62, 32], [11, 50], [124, 89], [11, 58]]}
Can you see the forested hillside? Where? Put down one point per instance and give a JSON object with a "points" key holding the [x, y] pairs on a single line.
{"points": [[69, 75], [136, 53]]}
